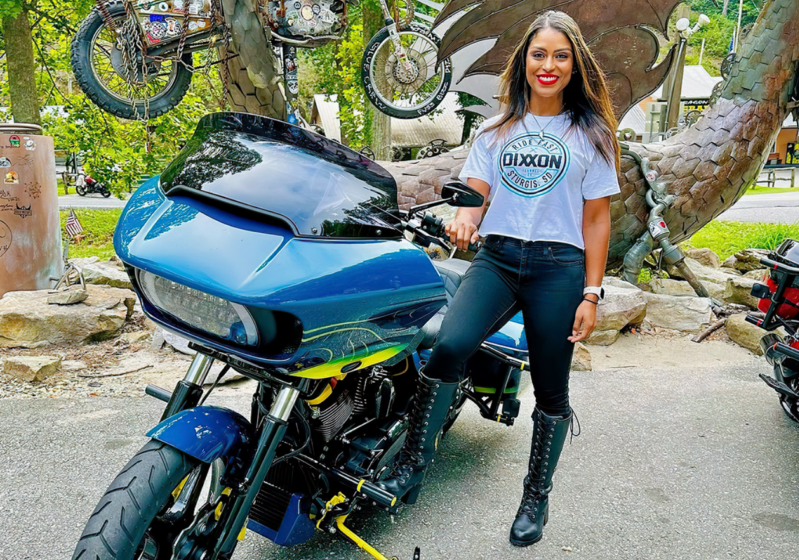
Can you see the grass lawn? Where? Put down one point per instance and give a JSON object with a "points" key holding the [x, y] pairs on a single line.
{"points": [[98, 232], [769, 190], [726, 238]]}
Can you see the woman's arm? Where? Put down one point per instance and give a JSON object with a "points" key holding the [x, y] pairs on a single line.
{"points": [[463, 229], [596, 235]]}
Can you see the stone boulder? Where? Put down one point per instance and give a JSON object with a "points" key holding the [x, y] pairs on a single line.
{"points": [[703, 273], [679, 313], [106, 272], [756, 275], [706, 257], [581, 359], [743, 333], [31, 368], [70, 296], [749, 259], [603, 338], [669, 287], [622, 306], [27, 320], [739, 290]]}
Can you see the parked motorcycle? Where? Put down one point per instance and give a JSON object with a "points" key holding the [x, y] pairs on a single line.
{"points": [[86, 184], [779, 300], [134, 58], [284, 256]]}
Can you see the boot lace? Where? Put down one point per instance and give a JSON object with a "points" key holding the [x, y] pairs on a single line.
{"points": [[410, 456]]}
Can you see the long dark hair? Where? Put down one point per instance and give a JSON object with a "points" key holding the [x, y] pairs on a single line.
{"points": [[586, 98]]}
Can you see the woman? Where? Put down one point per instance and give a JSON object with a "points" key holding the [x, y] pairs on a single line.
{"points": [[549, 163]]}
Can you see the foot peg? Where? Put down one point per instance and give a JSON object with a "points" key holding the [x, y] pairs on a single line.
{"points": [[779, 386]]}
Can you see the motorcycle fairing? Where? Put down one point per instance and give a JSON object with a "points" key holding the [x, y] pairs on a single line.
{"points": [[317, 187], [357, 301], [208, 433]]}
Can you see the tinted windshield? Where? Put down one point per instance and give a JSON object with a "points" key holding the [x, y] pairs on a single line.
{"points": [[317, 186]]}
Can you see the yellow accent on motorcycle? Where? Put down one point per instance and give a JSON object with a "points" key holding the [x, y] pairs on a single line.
{"points": [[362, 544], [218, 511], [334, 501], [357, 361], [176, 492]]}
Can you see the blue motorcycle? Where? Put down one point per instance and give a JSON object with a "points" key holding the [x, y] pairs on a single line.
{"points": [[283, 255]]}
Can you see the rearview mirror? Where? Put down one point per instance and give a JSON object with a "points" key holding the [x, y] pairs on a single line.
{"points": [[462, 195]]}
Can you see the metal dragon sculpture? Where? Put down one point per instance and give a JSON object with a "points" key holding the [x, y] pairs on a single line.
{"points": [[687, 179]]}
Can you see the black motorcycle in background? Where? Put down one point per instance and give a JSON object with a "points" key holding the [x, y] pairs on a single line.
{"points": [[779, 300], [85, 184]]}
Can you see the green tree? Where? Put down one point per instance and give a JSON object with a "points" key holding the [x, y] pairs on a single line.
{"points": [[18, 46]]}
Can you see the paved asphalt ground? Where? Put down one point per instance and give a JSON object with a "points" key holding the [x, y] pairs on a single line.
{"points": [[692, 463]]}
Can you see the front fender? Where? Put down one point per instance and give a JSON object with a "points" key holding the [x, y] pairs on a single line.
{"points": [[208, 433]]}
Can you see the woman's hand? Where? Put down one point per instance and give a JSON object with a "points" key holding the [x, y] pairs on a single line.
{"points": [[584, 322], [462, 231]]}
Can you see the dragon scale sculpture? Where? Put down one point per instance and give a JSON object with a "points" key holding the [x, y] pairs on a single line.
{"points": [[706, 168]]}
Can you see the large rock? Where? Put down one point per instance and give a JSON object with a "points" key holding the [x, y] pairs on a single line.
{"points": [[756, 275], [749, 259], [703, 273], [106, 272], [687, 314], [27, 320], [739, 290], [705, 257], [669, 287], [743, 333], [32, 368], [622, 306], [581, 359], [70, 296], [603, 338]]}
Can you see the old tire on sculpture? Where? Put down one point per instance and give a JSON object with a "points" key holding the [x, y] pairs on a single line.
{"points": [[253, 76], [92, 30]]}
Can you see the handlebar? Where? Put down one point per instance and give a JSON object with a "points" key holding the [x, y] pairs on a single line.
{"points": [[779, 266]]}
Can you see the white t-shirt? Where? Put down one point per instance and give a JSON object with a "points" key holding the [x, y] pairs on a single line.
{"points": [[538, 185]]}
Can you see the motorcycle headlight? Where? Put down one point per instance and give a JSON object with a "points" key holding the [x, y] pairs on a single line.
{"points": [[222, 318]]}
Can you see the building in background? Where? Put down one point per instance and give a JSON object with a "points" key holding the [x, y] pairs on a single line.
{"points": [[407, 135]]}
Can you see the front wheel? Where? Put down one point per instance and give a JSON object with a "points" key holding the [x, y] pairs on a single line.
{"points": [[395, 89], [130, 520], [108, 68], [81, 190]]}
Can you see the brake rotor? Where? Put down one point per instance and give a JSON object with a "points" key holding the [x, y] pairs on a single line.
{"points": [[399, 76]]}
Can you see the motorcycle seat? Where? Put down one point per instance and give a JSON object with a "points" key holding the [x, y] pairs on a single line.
{"points": [[451, 271]]}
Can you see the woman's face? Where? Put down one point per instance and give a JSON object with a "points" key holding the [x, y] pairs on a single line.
{"points": [[550, 61]]}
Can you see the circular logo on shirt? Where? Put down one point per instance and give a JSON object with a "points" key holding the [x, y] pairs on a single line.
{"points": [[532, 164]]}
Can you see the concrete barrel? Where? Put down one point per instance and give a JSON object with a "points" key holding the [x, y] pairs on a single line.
{"points": [[30, 230]]}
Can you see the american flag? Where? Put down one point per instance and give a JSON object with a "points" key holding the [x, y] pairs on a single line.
{"points": [[73, 226]]}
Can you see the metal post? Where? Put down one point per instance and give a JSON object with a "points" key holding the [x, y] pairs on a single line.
{"points": [[673, 115]]}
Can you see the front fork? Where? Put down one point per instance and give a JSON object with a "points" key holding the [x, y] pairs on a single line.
{"points": [[393, 32], [186, 395]]}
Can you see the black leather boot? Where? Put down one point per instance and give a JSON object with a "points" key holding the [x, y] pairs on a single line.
{"points": [[549, 434], [428, 414]]}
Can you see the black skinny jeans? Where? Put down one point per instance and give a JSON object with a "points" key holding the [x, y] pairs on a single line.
{"points": [[545, 280]]}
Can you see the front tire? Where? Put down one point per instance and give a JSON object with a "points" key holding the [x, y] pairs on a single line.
{"points": [[81, 190], [117, 528]]}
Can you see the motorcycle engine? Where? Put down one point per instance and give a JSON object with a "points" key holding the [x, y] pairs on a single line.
{"points": [[306, 18]]}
